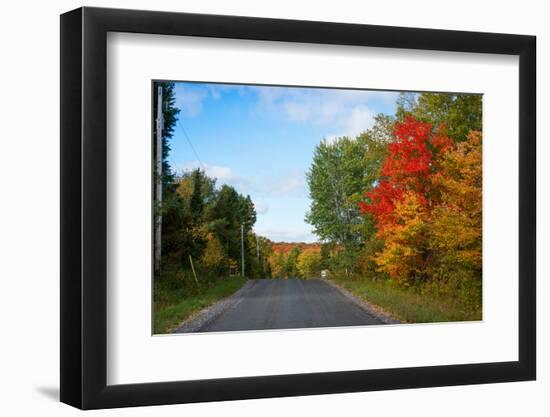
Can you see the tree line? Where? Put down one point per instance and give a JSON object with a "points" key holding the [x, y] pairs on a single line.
{"points": [[298, 260]]}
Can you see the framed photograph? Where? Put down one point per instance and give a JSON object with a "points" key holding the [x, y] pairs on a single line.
{"points": [[257, 208]]}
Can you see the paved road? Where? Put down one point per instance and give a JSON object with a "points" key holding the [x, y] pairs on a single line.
{"points": [[290, 304]]}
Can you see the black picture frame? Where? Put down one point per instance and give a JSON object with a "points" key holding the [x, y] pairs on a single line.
{"points": [[84, 207]]}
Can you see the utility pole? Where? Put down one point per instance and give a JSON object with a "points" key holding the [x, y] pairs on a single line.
{"points": [[258, 255], [242, 249], [158, 225]]}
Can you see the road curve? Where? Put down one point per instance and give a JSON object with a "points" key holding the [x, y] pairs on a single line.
{"points": [[290, 304]]}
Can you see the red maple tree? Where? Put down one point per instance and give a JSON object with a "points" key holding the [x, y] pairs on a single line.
{"points": [[407, 168]]}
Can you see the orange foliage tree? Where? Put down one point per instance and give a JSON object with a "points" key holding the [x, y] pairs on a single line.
{"points": [[428, 209], [403, 199], [455, 237]]}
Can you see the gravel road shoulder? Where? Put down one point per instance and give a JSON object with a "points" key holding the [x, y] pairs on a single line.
{"points": [[207, 315], [372, 309]]}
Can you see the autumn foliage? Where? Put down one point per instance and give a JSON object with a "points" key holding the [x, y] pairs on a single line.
{"points": [[293, 260], [412, 161], [427, 207], [286, 247], [456, 222]]}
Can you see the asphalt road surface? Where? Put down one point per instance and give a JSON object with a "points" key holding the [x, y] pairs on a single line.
{"points": [[290, 304]]}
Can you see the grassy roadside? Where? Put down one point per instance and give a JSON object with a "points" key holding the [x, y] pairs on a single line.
{"points": [[408, 305], [168, 314]]}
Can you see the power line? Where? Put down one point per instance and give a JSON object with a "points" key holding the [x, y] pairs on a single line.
{"points": [[191, 145]]}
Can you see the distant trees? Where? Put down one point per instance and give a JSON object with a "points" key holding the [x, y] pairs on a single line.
{"points": [[285, 264], [291, 264], [259, 254], [298, 260], [277, 262], [309, 264]]}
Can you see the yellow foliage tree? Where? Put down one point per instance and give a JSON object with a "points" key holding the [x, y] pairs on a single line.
{"points": [[403, 255], [309, 263], [277, 263], [437, 236], [214, 255], [456, 223]]}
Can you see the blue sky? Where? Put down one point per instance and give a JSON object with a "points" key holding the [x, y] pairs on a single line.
{"points": [[260, 140]]}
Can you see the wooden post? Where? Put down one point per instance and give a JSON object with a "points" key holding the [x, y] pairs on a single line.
{"points": [[193, 269]]}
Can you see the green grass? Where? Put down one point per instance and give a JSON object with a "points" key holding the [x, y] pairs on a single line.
{"points": [[408, 304], [171, 306]]}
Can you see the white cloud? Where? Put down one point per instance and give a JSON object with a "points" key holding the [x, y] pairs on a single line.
{"points": [[282, 235], [297, 112], [261, 207], [359, 119], [217, 90], [224, 175], [289, 185], [189, 99], [344, 112]]}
